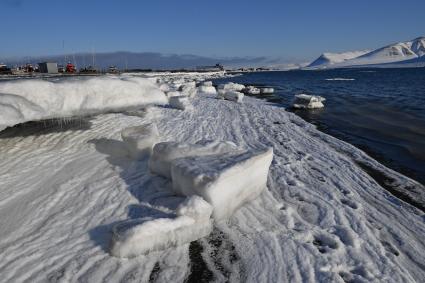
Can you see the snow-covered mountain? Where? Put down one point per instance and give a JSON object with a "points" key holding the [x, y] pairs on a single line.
{"points": [[393, 53], [333, 58]]}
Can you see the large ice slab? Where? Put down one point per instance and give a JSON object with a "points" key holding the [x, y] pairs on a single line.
{"points": [[207, 88], [180, 102], [165, 152], [188, 89], [226, 181], [140, 140], [231, 86], [305, 101], [28, 100], [230, 95], [141, 236]]}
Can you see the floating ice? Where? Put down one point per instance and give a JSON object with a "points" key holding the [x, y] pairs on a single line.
{"points": [[305, 101], [252, 90], [27, 100], [340, 79], [165, 152], [139, 140], [226, 181], [267, 90], [180, 102], [141, 236]]}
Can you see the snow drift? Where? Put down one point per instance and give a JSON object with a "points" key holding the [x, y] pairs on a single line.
{"points": [[28, 100]]}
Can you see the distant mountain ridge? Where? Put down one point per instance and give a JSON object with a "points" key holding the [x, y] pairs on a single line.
{"points": [[142, 60], [332, 58], [406, 53]]}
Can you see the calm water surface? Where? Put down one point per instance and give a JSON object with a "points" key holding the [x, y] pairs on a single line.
{"points": [[381, 111]]}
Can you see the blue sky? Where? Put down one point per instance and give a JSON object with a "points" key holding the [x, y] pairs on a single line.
{"points": [[293, 30]]}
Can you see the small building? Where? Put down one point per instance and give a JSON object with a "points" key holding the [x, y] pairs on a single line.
{"points": [[4, 70], [48, 67]]}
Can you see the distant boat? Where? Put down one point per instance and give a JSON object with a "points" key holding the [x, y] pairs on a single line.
{"points": [[113, 70], [88, 70], [70, 68]]}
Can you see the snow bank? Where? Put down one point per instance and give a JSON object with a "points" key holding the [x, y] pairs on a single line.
{"points": [[139, 140], [165, 153], [141, 236], [305, 101], [226, 181], [27, 100], [180, 102]]}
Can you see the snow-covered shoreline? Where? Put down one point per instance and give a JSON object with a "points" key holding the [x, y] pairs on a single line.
{"points": [[322, 217]]}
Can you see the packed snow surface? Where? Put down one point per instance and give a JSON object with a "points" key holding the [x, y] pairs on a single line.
{"points": [[325, 216], [35, 99], [226, 181]]}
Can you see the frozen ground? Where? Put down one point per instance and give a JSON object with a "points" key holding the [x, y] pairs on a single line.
{"points": [[326, 215]]}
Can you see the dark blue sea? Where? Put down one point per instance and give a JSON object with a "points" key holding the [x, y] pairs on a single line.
{"points": [[381, 111]]}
